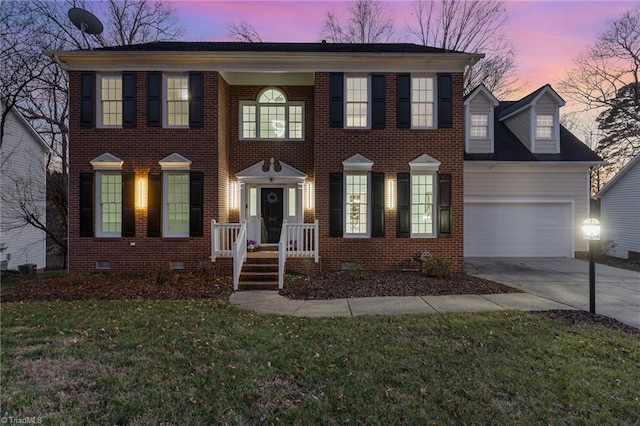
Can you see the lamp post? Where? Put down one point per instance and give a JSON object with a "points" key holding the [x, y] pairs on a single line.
{"points": [[591, 233]]}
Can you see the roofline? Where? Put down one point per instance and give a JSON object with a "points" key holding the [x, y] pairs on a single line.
{"points": [[618, 175], [534, 163], [29, 127], [268, 61], [544, 89], [481, 88]]}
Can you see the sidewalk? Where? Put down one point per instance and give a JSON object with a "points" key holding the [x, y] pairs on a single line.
{"points": [[272, 303]]}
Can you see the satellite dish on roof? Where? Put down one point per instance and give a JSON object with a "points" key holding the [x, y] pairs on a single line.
{"points": [[85, 21]]}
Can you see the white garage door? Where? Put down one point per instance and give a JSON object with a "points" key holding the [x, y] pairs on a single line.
{"points": [[518, 230]]}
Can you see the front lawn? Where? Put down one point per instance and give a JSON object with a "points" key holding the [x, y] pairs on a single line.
{"points": [[205, 362]]}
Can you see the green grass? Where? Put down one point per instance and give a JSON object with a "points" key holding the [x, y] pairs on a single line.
{"points": [[205, 362]]}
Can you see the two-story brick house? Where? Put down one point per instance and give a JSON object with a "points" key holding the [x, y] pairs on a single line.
{"points": [[364, 142]]}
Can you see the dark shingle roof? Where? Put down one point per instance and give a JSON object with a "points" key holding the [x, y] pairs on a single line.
{"points": [[507, 147], [185, 46], [515, 106]]}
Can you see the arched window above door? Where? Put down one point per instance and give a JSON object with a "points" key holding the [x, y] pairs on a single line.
{"points": [[271, 117]]}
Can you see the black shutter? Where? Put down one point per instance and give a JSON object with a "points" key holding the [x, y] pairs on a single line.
{"points": [[403, 101], [378, 88], [336, 104], [86, 100], [377, 205], [336, 205], [445, 101], [196, 199], [154, 209], [86, 204], [128, 99], [403, 220], [128, 204], [196, 100], [444, 205], [154, 99]]}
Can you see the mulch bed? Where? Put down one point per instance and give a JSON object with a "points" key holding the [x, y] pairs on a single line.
{"points": [[159, 286], [336, 285], [584, 317]]}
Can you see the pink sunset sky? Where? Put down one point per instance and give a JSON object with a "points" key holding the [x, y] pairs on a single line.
{"points": [[547, 35]]}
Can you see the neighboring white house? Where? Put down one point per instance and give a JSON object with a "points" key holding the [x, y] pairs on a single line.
{"points": [[620, 211], [526, 178], [22, 183]]}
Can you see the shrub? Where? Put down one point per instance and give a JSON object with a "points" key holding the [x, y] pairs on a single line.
{"points": [[434, 266]]}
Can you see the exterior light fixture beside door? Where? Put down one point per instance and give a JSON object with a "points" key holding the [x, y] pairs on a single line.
{"points": [[141, 194]]}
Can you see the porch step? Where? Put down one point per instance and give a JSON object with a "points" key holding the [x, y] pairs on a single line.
{"points": [[260, 272]]}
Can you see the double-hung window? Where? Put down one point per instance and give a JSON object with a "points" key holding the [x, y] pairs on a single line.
{"points": [[357, 204], [177, 100], [357, 101], [110, 105], [272, 117], [479, 126], [544, 126], [422, 205], [109, 198], [422, 102], [176, 210]]}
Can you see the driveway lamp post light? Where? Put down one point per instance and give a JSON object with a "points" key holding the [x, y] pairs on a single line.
{"points": [[591, 233]]}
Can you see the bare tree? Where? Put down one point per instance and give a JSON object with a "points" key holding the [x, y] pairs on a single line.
{"points": [[243, 32], [37, 87], [368, 22], [606, 79], [470, 26]]}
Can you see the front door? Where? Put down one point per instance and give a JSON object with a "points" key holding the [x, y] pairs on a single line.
{"points": [[272, 209]]}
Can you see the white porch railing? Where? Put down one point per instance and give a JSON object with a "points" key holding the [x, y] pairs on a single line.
{"points": [[223, 235], [239, 254], [297, 240]]}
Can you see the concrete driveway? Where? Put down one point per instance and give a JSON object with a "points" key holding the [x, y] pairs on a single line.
{"points": [[566, 281]]}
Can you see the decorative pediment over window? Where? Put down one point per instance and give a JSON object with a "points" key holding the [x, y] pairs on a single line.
{"points": [[357, 163], [107, 161], [424, 163], [286, 174], [175, 162]]}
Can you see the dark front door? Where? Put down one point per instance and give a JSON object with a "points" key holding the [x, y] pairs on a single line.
{"points": [[272, 214]]}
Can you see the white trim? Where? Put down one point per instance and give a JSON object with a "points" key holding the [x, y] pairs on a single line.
{"points": [[286, 105], [175, 161], [107, 161], [424, 163], [434, 203], [357, 163], [256, 174]]}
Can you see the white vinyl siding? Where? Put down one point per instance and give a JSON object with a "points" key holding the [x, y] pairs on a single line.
{"points": [[272, 118], [110, 102], [177, 204], [177, 100], [557, 183], [109, 202], [357, 204], [479, 134], [547, 131], [357, 101], [422, 205], [22, 164], [520, 125], [620, 214], [422, 102]]}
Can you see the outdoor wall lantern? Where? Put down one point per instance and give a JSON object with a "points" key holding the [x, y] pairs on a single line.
{"points": [[591, 233], [233, 189], [141, 199]]}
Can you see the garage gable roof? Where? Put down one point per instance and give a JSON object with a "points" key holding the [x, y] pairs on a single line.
{"points": [[628, 167]]}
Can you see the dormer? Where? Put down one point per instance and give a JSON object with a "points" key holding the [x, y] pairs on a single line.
{"points": [[535, 120], [479, 131]]}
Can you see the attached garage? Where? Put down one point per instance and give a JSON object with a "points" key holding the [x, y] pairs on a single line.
{"points": [[518, 229]]}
